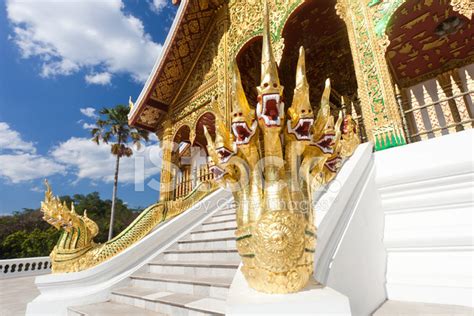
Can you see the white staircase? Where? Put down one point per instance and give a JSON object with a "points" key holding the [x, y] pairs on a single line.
{"points": [[394, 226], [427, 194], [191, 277]]}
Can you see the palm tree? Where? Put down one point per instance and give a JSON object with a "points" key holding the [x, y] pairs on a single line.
{"points": [[112, 127]]}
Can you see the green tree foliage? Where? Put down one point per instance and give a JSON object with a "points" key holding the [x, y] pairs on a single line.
{"points": [[112, 128], [25, 234]]}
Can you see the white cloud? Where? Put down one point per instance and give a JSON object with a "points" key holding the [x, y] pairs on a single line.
{"points": [[158, 5], [90, 35], [79, 157], [89, 112], [102, 78], [88, 126], [25, 167], [19, 161], [88, 160], [11, 140], [37, 189]]}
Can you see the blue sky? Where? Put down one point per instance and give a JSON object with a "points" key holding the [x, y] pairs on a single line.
{"points": [[60, 62]]}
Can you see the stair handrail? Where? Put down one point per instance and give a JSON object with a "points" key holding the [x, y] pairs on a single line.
{"points": [[76, 250]]}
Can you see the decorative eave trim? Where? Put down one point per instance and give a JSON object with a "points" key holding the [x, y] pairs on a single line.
{"points": [[159, 64]]}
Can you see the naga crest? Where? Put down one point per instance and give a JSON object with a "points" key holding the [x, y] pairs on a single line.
{"points": [[278, 161], [78, 235]]}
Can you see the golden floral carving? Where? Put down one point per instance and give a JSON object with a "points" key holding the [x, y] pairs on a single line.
{"points": [[464, 7], [150, 116]]}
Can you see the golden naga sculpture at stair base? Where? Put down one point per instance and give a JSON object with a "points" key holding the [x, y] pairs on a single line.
{"points": [[273, 181], [76, 250]]}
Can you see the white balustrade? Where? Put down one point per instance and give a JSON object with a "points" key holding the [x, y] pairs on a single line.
{"points": [[20, 267]]}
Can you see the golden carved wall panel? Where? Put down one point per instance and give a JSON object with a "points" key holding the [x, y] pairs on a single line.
{"points": [[150, 116], [246, 22], [184, 49], [202, 76]]}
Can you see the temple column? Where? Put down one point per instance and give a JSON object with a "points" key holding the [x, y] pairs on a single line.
{"points": [[223, 90], [166, 165], [381, 114]]}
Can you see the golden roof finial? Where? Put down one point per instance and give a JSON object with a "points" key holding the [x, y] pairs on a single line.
{"points": [[301, 106], [130, 102], [223, 135], [239, 100], [301, 81], [270, 82], [241, 110], [324, 113]]}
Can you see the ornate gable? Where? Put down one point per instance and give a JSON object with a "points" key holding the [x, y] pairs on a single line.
{"points": [[173, 66]]}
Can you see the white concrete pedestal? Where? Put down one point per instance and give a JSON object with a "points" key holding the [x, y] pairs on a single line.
{"points": [[313, 300]]}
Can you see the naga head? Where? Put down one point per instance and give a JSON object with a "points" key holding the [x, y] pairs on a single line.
{"points": [[270, 107], [244, 124], [213, 158], [300, 113], [334, 162], [349, 126], [350, 136], [79, 231], [324, 132], [276, 235], [224, 141]]}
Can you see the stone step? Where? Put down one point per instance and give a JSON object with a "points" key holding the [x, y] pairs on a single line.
{"points": [[219, 224], [222, 217], [195, 269], [214, 243], [213, 233], [167, 302], [395, 308], [201, 254], [216, 287], [227, 211], [109, 308]]}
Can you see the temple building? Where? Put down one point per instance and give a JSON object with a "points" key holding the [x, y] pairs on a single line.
{"points": [[402, 68], [317, 159]]}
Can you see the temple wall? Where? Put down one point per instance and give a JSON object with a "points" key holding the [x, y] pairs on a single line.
{"points": [[237, 23]]}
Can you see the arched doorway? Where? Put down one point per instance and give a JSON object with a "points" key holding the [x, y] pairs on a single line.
{"points": [[180, 157], [199, 164], [431, 58], [316, 26], [249, 62], [189, 157], [208, 120]]}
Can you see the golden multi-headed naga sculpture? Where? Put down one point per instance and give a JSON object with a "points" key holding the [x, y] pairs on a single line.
{"points": [[76, 250], [272, 162], [273, 175]]}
